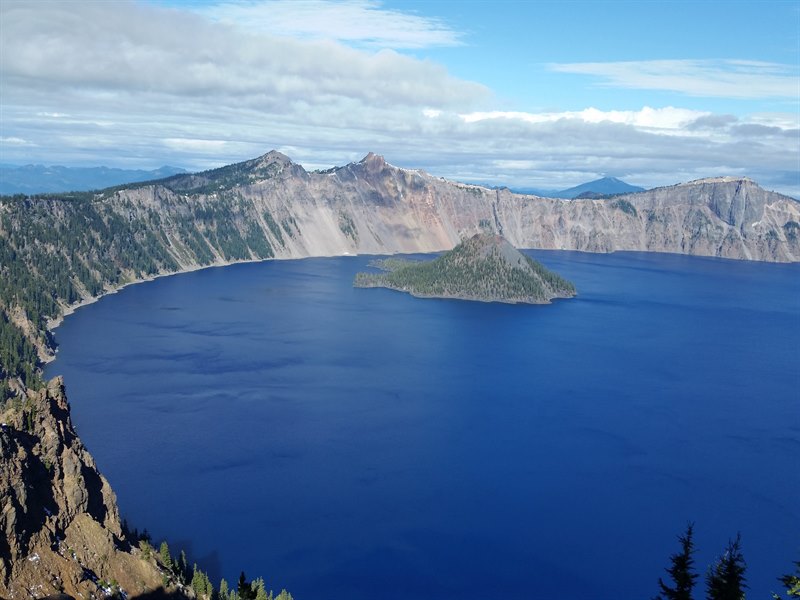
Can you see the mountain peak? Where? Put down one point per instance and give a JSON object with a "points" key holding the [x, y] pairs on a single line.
{"points": [[372, 160], [273, 156]]}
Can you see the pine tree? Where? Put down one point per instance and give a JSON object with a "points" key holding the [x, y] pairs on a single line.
{"points": [[183, 568], [209, 587], [681, 571], [725, 579], [244, 589], [224, 594], [791, 583], [198, 585], [166, 559], [260, 589]]}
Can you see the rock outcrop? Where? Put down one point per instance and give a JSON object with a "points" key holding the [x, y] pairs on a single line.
{"points": [[60, 522]]}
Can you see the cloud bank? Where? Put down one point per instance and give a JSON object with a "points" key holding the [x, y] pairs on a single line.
{"points": [[136, 85]]}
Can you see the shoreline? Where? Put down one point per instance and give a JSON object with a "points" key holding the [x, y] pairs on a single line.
{"points": [[54, 323]]}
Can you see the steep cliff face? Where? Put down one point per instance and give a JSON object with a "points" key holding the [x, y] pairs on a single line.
{"points": [[373, 207], [60, 522]]}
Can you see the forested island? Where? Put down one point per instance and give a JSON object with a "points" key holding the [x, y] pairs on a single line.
{"points": [[484, 268]]}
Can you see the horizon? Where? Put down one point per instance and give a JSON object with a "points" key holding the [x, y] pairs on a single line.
{"points": [[535, 96], [520, 189]]}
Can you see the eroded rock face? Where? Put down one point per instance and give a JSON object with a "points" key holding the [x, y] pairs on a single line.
{"points": [[60, 523], [373, 207]]}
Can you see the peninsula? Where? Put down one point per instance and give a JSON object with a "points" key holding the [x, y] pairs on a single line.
{"points": [[484, 267]]}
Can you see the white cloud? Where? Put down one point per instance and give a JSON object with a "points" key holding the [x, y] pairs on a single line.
{"points": [[708, 78], [356, 22], [652, 118], [134, 85], [113, 48], [196, 145], [14, 141]]}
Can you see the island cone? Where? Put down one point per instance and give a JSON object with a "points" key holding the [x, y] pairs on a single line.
{"points": [[485, 267]]}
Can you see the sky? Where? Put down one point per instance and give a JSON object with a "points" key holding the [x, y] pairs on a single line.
{"points": [[522, 94]]}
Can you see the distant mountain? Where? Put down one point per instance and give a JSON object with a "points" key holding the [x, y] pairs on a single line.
{"points": [[607, 186], [599, 188], [484, 267], [39, 179]]}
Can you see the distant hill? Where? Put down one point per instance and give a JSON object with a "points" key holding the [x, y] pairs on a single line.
{"points": [[39, 179], [485, 267], [599, 188], [607, 186]]}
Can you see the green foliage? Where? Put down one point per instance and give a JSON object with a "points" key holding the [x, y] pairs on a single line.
{"points": [[224, 592], [6, 392], [166, 558], [273, 227], [290, 226], [29, 417], [348, 226], [201, 585], [221, 179], [681, 571], [725, 579], [182, 568], [245, 589], [261, 590], [18, 357], [146, 548], [470, 270], [791, 583], [625, 207]]}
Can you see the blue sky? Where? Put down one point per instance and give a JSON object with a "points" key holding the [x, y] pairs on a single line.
{"points": [[545, 94]]}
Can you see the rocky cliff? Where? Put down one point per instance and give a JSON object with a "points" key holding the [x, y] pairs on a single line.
{"points": [[373, 207], [60, 523]]}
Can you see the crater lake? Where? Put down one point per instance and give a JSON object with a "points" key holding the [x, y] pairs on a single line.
{"points": [[361, 443]]}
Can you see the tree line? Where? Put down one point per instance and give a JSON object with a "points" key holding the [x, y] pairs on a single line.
{"points": [[724, 579]]}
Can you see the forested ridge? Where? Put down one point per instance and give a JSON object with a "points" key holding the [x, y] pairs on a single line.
{"points": [[56, 251]]}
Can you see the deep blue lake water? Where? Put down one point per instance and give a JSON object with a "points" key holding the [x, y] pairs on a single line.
{"points": [[364, 444]]}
